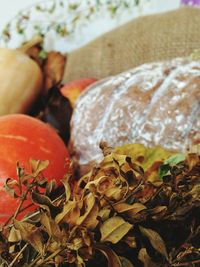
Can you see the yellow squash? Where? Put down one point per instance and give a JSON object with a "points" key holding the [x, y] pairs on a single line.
{"points": [[20, 81]]}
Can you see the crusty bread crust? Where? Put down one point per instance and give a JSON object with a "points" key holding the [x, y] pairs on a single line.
{"points": [[153, 104]]}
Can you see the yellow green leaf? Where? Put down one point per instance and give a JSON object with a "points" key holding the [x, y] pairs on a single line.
{"points": [[114, 229], [134, 208], [38, 166], [14, 235]]}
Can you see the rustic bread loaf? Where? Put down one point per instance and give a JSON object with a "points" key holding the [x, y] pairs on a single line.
{"points": [[153, 104]]}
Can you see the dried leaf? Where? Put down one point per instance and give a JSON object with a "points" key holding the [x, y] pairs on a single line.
{"points": [[125, 262], [11, 187], [195, 192], [65, 182], [114, 229], [31, 234], [145, 259], [113, 259], [155, 240], [104, 214], [89, 218], [143, 156], [50, 187], [44, 202], [53, 69], [192, 160], [69, 214], [80, 262], [132, 209], [14, 235], [51, 227], [37, 166], [158, 212]]}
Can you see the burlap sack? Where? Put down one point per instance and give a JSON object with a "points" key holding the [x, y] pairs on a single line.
{"points": [[146, 39]]}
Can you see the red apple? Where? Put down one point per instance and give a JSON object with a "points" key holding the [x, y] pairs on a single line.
{"points": [[73, 89], [21, 138]]}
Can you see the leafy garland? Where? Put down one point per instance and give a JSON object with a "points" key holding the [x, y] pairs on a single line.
{"points": [[78, 13], [139, 207]]}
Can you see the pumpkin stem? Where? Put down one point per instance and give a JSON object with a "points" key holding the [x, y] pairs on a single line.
{"points": [[34, 41]]}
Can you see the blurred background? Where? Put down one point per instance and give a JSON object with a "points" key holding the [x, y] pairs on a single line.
{"points": [[9, 8]]}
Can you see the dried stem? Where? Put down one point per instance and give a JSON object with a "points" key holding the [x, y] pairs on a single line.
{"points": [[18, 255], [34, 263], [188, 263]]}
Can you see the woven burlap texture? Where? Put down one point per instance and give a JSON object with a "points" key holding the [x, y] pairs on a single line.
{"points": [[145, 39]]}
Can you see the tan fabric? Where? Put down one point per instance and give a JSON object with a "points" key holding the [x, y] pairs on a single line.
{"points": [[146, 39]]}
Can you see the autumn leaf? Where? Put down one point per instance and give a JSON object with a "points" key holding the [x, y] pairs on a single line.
{"points": [[104, 214], [43, 201], [132, 209], [125, 262], [155, 240], [30, 234], [111, 256], [69, 214], [50, 226], [14, 235], [50, 187], [114, 229], [65, 182], [89, 217], [145, 259], [158, 212], [11, 187], [142, 155], [192, 159], [148, 158], [37, 166]]}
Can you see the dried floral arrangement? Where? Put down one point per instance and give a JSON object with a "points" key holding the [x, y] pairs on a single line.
{"points": [[138, 207]]}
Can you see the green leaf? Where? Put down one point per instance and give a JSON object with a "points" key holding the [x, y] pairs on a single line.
{"points": [[43, 54], [175, 159], [163, 170]]}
